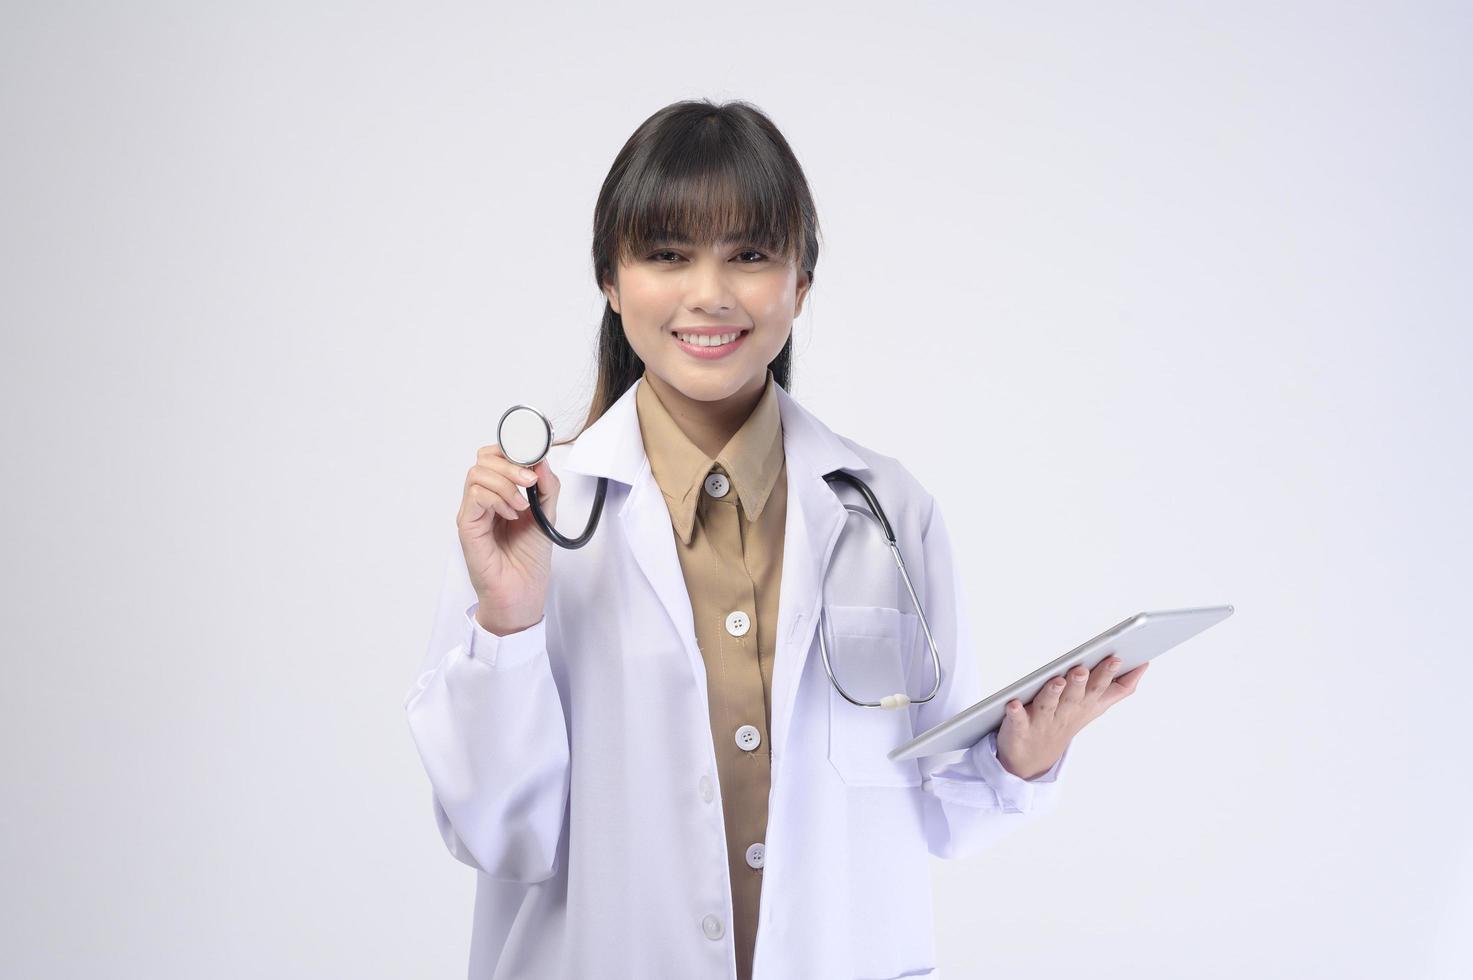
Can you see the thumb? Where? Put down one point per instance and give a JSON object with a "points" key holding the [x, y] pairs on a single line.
{"points": [[1015, 714], [548, 485]]}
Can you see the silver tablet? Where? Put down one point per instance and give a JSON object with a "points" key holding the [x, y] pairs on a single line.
{"points": [[1142, 637]]}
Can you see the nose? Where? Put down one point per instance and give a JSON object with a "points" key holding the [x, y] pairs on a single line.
{"points": [[707, 289]]}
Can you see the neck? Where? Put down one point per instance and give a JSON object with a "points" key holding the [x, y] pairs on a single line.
{"points": [[709, 425]]}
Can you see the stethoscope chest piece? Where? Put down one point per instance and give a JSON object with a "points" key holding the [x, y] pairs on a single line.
{"points": [[525, 435]]}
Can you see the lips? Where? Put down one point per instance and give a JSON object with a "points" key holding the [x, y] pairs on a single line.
{"points": [[711, 353]]}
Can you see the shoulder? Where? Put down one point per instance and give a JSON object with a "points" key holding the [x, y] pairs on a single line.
{"points": [[905, 499]]}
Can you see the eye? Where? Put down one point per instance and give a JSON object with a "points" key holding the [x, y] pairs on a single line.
{"points": [[757, 256]]}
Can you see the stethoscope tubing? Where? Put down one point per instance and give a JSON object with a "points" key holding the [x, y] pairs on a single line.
{"points": [[535, 499], [875, 513]]}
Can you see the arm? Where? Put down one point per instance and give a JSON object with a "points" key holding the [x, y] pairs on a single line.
{"points": [[972, 800], [488, 722]]}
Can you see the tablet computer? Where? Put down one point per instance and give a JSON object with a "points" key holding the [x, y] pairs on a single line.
{"points": [[1142, 637]]}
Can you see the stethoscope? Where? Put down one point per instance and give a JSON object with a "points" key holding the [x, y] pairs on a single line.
{"points": [[525, 436]]}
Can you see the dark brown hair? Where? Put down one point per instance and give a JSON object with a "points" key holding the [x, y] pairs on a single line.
{"points": [[699, 172]]}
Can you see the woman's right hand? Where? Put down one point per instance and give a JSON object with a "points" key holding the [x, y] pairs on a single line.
{"points": [[506, 553]]}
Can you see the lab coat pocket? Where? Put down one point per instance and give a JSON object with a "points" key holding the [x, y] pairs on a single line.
{"points": [[868, 652]]}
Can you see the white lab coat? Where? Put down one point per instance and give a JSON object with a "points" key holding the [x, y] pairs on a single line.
{"points": [[572, 763]]}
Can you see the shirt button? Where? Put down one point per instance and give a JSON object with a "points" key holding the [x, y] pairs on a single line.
{"points": [[706, 791], [748, 738], [717, 484], [711, 925], [756, 855], [737, 623]]}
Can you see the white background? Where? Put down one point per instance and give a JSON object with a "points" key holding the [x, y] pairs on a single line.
{"points": [[1186, 284]]}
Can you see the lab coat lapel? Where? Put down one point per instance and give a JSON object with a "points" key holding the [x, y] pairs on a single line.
{"points": [[815, 520], [651, 539], [614, 447]]}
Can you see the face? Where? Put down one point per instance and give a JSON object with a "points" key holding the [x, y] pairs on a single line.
{"points": [[678, 287]]}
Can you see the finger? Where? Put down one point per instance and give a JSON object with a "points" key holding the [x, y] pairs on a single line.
{"points": [[476, 504], [1130, 679], [519, 475], [505, 478], [1015, 715], [498, 482], [1046, 700], [1074, 689], [546, 480], [471, 510], [1101, 676], [492, 501], [1124, 685], [495, 457], [546, 488]]}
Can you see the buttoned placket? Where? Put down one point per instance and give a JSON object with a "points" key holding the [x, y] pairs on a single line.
{"points": [[731, 559], [742, 685]]}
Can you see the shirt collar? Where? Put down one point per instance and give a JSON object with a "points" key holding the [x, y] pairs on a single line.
{"points": [[751, 458]]}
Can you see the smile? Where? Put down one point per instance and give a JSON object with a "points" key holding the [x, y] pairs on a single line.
{"points": [[711, 346]]}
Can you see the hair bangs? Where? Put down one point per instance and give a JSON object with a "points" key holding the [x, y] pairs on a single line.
{"points": [[713, 197]]}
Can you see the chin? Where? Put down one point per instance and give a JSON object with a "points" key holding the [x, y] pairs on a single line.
{"points": [[712, 382]]}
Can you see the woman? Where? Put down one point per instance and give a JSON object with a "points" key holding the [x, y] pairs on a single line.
{"points": [[635, 743]]}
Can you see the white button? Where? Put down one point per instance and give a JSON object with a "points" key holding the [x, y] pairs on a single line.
{"points": [[737, 623], [712, 927], [706, 791], [748, 738], [756, 855], [717, 484]]}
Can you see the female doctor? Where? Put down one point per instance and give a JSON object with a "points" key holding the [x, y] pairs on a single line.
{"points": [[635, 743]]}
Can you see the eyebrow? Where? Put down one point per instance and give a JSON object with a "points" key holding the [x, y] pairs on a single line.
{"points": [[681, 240]]}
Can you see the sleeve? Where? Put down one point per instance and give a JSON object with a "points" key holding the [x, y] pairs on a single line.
{"points": [[488, 722], [972, 801]]}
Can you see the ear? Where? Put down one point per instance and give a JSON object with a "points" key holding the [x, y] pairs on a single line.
{"points": [[611, 292], [804, 281]]}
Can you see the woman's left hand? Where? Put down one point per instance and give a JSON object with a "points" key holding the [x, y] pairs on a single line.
{"points": [[1032, 740]]}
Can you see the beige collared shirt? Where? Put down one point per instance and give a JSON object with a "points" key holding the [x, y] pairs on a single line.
{"points": [[728, 516]]}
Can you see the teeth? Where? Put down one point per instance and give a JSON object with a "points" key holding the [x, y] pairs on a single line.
{"points": [[716, 340]]}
